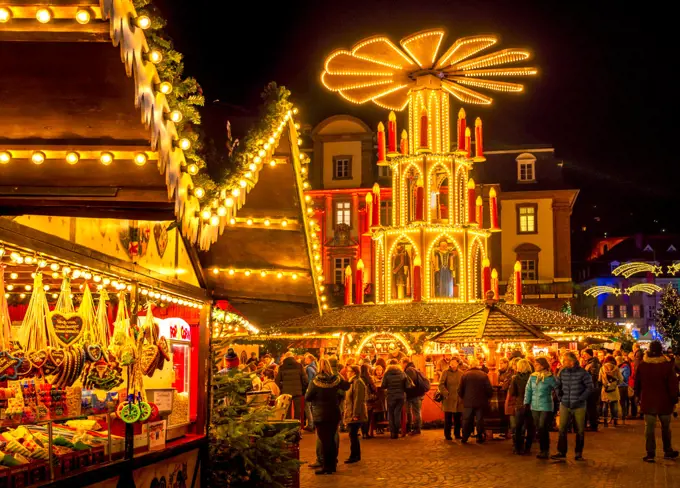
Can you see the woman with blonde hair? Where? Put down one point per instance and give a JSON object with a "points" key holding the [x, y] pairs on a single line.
{"points": [[524, 422], [323, 394]]}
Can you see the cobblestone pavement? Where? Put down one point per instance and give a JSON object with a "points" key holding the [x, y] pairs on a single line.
{"points": [[613, 458]]}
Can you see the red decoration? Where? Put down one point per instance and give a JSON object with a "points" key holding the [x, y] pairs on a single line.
{"points": [[486, 276], [403, 146], [494, 284], [468, 142], [369, 210], [376, 205], [518, 283], [348, 286], [417, 280], [420, 200], [471, 201], [392, 134], [461, 129], [423, 130], [381, 142], [493, 209], [479, 144], [479, 204], [359, 286]]}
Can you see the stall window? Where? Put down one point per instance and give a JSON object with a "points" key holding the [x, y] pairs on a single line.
{"points": [[342, 167], [339, 268], [623, 311], [343, 213], [386, 213], [528, 269], [526, 218], [636, 311], [609, 311]]}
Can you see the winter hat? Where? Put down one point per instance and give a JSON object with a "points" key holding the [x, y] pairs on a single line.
{"points": [[230, 354], [655, 349]]}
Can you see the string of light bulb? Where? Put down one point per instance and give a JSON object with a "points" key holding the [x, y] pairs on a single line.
{"points": [[260, 273], [74, 156], [44, 14]]}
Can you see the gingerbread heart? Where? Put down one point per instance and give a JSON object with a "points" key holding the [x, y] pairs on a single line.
{"points": [[68, 327], [56, 356], [164, 348], [25, 367], [94, 352], [9, 365], [38, 358], [150, 355]]}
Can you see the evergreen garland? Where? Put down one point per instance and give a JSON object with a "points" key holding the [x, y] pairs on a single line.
{"points": [[668, 317]]}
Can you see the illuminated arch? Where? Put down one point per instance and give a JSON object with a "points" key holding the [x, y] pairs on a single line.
{"points": [[428, 268], [388, 270], [403, 194], [431, 187], [474, 267], [398, 336], [460, 188]]}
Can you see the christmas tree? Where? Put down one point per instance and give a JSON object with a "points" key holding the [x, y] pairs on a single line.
{"points": [[566, 307], [668, 317], [246, 449]]}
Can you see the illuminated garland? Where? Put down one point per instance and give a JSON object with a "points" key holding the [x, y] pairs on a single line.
{"points": [[596, 291], [629, 269], [224, 322]]}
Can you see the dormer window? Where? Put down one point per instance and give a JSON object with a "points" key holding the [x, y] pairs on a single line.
{"points": [[526, 168]]}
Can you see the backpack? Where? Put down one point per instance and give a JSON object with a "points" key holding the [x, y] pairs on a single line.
{"points": [[421, 384]]}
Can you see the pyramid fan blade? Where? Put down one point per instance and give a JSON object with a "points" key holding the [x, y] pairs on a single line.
{"points": [[465, 47], [423, 47], [465, 94], [501, 86], [382, 51], [494, 59], [343, 62]]}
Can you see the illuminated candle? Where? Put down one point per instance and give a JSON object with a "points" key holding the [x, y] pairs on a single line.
{"points": [[369, 210], [493, 209], [392, 134], [461, 129], [471, 201], [494, 284], [420, 199], [381, 142], [376, 204], [348, 285], [518, 283], [359, 285], [423, 130], [480, 211], [404, 142], [417, 283], [468, 142], [486, 276], [479, 144]]}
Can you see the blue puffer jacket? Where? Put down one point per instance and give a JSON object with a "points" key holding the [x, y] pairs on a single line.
{"points": [[539, 392], [574, 386]]}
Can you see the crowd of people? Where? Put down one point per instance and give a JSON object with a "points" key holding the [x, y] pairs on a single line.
{"points": [[582, 390]]}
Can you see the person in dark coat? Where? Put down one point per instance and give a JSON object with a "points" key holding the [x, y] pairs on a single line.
{"points": [[475, 390], [355, 413], [324, 396], [395, 383], [414, 401], [292, 380], [452, 403], [574, 388], [656, 384], [524, 423], [371, 398], [593, 366]]}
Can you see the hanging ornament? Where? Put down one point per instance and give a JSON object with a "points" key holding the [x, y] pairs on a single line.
{"points": [[103, 333], [87, 313], [64, 300], [34, 333]]}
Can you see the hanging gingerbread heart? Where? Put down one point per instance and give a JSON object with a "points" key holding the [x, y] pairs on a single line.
{"points": [[149, 360], [26, 367], [67, 327], [94, 352], [38, 358], [9, 366], [164, 348]]}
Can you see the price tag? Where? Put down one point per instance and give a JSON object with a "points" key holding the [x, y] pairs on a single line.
{"points": [[163, 400], [157, 432]]}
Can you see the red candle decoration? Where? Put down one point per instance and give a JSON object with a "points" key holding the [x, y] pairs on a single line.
{"points": [[494, 284], [420, 200], [518, 283], [461, 129], [468, 142], [486, 276], [381, 142], [369, 210], [423, 130], [348, 285], [479, 144], [471, 201], [479, 204], [392, 134], [359, 286], [417, 284], [403, 145], [493, 209], [376, 205]]}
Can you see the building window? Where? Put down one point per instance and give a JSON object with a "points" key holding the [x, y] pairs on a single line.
{"points": [[623, 311], [651, 310], [386, 213], [342, 167], [609, 311], [526, 167], [384, 171], [528, 269], [343, 213], [636, 311], [339, 266], [526, 218]]}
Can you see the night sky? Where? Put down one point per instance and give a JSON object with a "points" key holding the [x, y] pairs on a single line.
{"points": [[604, 96]]}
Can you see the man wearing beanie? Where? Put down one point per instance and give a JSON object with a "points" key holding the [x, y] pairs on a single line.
{"points": [[657, 387]]}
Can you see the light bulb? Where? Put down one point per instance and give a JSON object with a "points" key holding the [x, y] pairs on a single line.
{"points": [[199, 193], [216, 271], [294, 276], [261, 153], [106, 158], [87, 275], [176, 116], [205, 214], [307, 198], [38, 157], [267, 222], [231, 272], [284, 223], [22, 295], [46, 287], [271, 140], [72, 157], [236, 192], [295, 110], [221, 211], [5, 15], [10, 287], [54, 267], [76, 274], [42, 263], [265, 147], [28, 260], [257, 159], [214, 220], [66, 270], [252, 166], [13, 276], [155, 56], [184, 144], [43, 15], [83, 16], [5, 157], [97, 278], [249, 221], [243, 183], [279, 275], [165, 88], [28, 287], [192, 169], [140, 159], [144, 292], [106, 281], [143, 22], [247, 273], [232, 221], [263, 273], [272, 163]]}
